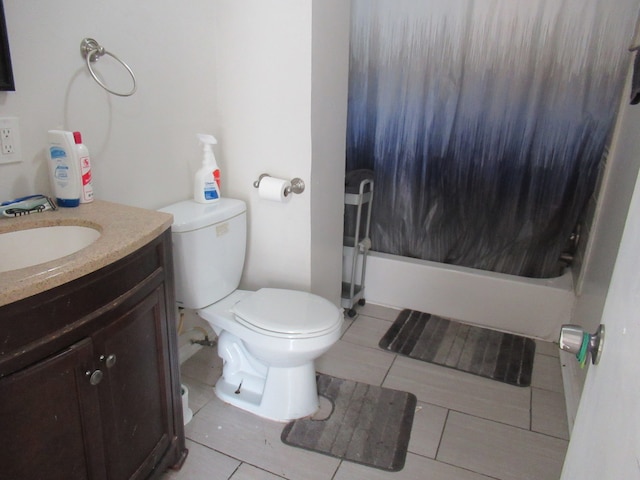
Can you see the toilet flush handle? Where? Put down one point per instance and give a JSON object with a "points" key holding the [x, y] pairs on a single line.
{"points": [[574, 339]]}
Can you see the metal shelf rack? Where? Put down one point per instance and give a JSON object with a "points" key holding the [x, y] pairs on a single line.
{"points": [[359, 241]]}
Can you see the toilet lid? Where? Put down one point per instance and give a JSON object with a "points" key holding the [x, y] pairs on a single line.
{"points": [[287, 312]]}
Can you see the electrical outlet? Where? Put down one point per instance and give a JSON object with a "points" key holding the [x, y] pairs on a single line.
{"points": [[9, 140], [6, 138]]}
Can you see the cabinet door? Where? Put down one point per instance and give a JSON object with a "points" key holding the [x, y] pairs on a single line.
{"points": [[50, 421], [135, 396]]}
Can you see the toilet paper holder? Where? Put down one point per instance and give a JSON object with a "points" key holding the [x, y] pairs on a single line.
{"points": [[297, 185]]}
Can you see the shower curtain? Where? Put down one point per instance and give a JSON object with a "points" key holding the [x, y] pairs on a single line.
{"points": [[484, 122]]}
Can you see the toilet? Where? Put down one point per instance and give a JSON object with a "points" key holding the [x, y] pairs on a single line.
{"points": [[268, 339]]}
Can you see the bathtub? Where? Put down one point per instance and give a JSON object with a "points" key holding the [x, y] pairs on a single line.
{"points": [[531, 307]]}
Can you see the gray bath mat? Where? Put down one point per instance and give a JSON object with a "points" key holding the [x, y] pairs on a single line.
{"points": [[368, 425], [500, 356]]}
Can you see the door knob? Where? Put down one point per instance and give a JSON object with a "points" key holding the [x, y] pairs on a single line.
{"points": [[574, 339]]}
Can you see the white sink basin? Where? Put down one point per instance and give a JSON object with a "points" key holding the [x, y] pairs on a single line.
{"points": [[25, 248]]}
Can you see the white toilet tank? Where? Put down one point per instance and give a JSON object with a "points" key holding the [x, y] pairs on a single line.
{"points": [[209, 244]]}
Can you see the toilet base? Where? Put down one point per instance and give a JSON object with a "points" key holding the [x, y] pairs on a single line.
{"points": [[288, 393]]}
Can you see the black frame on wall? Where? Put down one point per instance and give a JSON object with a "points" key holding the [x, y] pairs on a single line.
{"points": [[6, 70]]}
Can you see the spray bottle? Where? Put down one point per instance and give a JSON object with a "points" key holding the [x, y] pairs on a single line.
{"points": [[84, 167], [207, 180]]}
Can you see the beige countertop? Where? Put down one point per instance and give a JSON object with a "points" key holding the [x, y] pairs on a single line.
{"points": [[124, 230]]}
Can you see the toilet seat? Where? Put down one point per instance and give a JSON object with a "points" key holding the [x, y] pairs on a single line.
{"points": [[287, 313]]}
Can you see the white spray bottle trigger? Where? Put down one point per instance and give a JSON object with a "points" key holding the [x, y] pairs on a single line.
{"points": [[207, 139]]}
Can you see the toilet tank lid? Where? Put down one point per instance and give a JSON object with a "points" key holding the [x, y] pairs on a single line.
{"points": [[189, 215]]}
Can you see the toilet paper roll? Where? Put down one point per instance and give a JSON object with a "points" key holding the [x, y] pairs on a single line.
{"points": [[273, 189], [187, 413]]}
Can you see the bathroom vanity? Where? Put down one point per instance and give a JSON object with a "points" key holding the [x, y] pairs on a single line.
{"points": [[89, 375]]}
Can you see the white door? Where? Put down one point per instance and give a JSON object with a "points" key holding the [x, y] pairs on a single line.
{"points": [[605, 439]]}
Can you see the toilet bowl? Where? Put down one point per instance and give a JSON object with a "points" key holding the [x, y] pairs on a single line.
{"points": [[268, 339]]}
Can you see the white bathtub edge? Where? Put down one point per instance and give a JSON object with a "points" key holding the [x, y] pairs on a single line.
{"points": [[534, 308]]}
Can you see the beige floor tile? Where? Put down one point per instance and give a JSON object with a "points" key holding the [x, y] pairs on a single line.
{"points": [[346, 324], [205, 366], [428, 424], [249, 472], [547, 348], [202, 463], [199, 393], [227, 443], [547, 373], [355, 362], [461, 391], [367, 331], [256, 441], [416, 468], [549, 413], [379, 311], [500, 451]]}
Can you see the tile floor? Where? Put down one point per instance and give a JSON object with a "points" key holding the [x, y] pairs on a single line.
{"points": [[465, 427]]}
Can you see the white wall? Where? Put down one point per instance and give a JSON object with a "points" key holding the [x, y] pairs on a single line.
{"points": [[264, 73], [609, 213], [623, 164], [143, 147], [330, 70], [241, 70], [605, 442]]}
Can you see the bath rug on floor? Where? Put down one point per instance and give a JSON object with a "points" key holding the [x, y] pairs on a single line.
{"points": [[368, 425], [500, 356]]}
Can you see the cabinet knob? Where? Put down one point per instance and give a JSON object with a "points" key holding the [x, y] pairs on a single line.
{"points": [[109, 360], [95, 377]]}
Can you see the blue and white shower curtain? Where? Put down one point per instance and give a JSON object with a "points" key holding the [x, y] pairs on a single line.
{"points": [[485, 122]]}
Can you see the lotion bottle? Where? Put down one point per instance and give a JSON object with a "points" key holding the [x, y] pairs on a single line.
{"points": [[207, 180], [84, 169], [63, 167]]}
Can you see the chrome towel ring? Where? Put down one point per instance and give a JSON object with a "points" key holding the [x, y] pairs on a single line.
{"points": [[91, 50]]}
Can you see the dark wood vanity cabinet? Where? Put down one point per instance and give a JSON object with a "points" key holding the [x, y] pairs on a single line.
{"points": [[50, 420], [89, 379]]}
